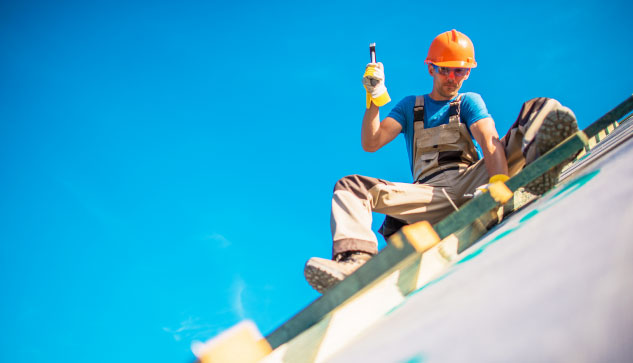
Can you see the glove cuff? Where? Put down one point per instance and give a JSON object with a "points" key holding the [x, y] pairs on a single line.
{"points": [[498, 178], [382, 100]]}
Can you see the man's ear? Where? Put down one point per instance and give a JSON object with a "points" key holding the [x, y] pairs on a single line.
{"points": [[431, 69]]}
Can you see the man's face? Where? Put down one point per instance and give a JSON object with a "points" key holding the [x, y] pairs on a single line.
{"points": [[447, 81]]}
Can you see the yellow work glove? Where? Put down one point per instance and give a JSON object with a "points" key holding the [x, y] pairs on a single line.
{"points": [[495, 178], [374, 82]]}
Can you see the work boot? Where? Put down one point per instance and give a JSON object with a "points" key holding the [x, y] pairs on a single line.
{"points": [[559, 124], [322, 273]]}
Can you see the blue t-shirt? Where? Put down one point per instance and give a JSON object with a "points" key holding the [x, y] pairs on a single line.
{"points": [[472, 109]]}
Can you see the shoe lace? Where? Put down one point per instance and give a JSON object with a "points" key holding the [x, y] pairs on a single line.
{"points": [[349, 257]]}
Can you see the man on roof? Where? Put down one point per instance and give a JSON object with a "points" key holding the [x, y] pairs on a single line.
{"points": [[453, 149]]}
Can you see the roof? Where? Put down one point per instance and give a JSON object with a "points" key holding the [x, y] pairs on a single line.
{"points": [[552, 281]]}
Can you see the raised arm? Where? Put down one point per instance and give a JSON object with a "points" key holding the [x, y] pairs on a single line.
{"points": [[486, 135], [375, 134]]}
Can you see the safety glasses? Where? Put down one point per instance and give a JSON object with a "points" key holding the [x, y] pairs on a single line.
{"points": [[445, 71]]}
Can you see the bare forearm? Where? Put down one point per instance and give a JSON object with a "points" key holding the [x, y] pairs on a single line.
{"points": [[495, 157], [494, 153], [370, 129]]}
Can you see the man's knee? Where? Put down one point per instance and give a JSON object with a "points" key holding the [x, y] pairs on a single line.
{"points": [[357, 184]]}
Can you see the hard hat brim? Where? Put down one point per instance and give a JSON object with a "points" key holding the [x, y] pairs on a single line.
{"points": [[454, 64]]}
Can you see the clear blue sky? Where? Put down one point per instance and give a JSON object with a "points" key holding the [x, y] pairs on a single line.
{"points": [[166, 167]]}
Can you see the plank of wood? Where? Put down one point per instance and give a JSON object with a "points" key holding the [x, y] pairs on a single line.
{"points": [[615, 114]]}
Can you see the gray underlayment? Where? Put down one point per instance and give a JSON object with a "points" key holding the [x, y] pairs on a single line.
{"points": [[552, 283]]}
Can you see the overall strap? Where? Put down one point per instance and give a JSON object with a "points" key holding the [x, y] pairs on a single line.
{"points": [[418, 110], [453, 111]]}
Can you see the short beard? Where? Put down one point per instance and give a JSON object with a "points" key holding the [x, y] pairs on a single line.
{"points": [[449, 95]]}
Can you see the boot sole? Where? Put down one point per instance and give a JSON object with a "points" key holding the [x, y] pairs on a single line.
{"points": [[558, 125], [321, 278]]}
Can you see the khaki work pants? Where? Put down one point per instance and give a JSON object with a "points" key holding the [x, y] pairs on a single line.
{"points": [[356, 197]]}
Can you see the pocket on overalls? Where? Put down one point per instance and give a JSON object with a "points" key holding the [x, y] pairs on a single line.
{"points": [[427, 161]]}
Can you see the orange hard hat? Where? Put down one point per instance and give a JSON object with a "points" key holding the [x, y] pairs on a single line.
{"points": [[452, 49]]}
